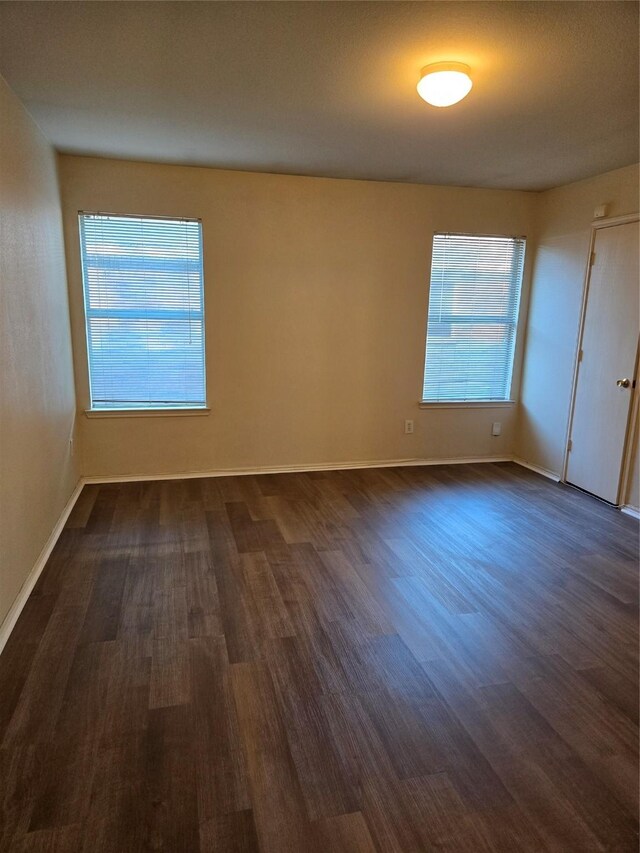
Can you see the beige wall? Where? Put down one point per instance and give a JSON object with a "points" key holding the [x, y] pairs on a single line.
{"points": [[316, 294], [37, 403], [563, 228]]}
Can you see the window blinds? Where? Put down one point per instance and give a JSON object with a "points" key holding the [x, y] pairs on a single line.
{"points": [[144, 307], [474, 297]]}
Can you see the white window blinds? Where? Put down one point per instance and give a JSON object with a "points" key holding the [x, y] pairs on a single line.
{"points": [[474, 297], [144, 307]]}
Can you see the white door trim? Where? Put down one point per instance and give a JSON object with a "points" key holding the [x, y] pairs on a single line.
{"points": [[598, 224], [627, 456]]}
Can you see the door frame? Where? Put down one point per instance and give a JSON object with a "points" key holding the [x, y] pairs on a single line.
{"points": [[625, 469]]}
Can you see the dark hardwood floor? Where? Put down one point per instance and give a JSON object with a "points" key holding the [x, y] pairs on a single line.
{"points": [[400, 659]]}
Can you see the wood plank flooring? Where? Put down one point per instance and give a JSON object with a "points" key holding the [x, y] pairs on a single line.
{"points": [[400, 659]]}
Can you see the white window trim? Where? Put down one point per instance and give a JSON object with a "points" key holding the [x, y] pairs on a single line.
{"points": [[167, 411], [480, 404], [467, 404], [148, 413]]}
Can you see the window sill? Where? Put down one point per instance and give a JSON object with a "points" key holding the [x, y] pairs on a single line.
{"points": [[146, 413], [468, 404]]}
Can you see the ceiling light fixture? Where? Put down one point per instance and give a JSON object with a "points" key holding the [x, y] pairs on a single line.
{"points": [[444, 83]]}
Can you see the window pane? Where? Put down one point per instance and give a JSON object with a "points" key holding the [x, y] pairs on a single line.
{"points": [[144, 306], [474, 297]]}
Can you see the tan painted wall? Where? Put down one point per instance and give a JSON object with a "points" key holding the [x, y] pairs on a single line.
{"points": [[316, 295], [563, 228], [37, 401]]}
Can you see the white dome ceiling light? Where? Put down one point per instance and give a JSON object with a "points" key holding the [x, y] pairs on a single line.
{"points": [[444, 83]]}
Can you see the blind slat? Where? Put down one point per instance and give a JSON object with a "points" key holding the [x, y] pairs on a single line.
{"points": [[144, 309], [474, 297]]}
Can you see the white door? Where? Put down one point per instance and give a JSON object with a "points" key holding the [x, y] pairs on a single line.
{"points": [[606, 371]]}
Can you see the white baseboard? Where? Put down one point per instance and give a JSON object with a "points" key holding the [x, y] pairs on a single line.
{"points": [[627, 509], [21, 599], [630, 510], [544, 471], [15, 610], [292, 469], [466, 460]]}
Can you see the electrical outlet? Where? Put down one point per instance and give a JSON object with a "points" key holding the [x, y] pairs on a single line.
{"points": [[496, 428], [408, 427]]}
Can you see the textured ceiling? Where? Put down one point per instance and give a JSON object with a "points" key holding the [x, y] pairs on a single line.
{"points": [[327, 88]]}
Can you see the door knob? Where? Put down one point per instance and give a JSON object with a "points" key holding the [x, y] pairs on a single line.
{"points": [[623, 383]]}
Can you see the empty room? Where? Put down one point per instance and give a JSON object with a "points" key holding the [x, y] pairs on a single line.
{"points": [[319, 424]]}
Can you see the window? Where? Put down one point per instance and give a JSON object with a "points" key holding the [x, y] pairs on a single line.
{"points": [[473, 315], [144, 308]]}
